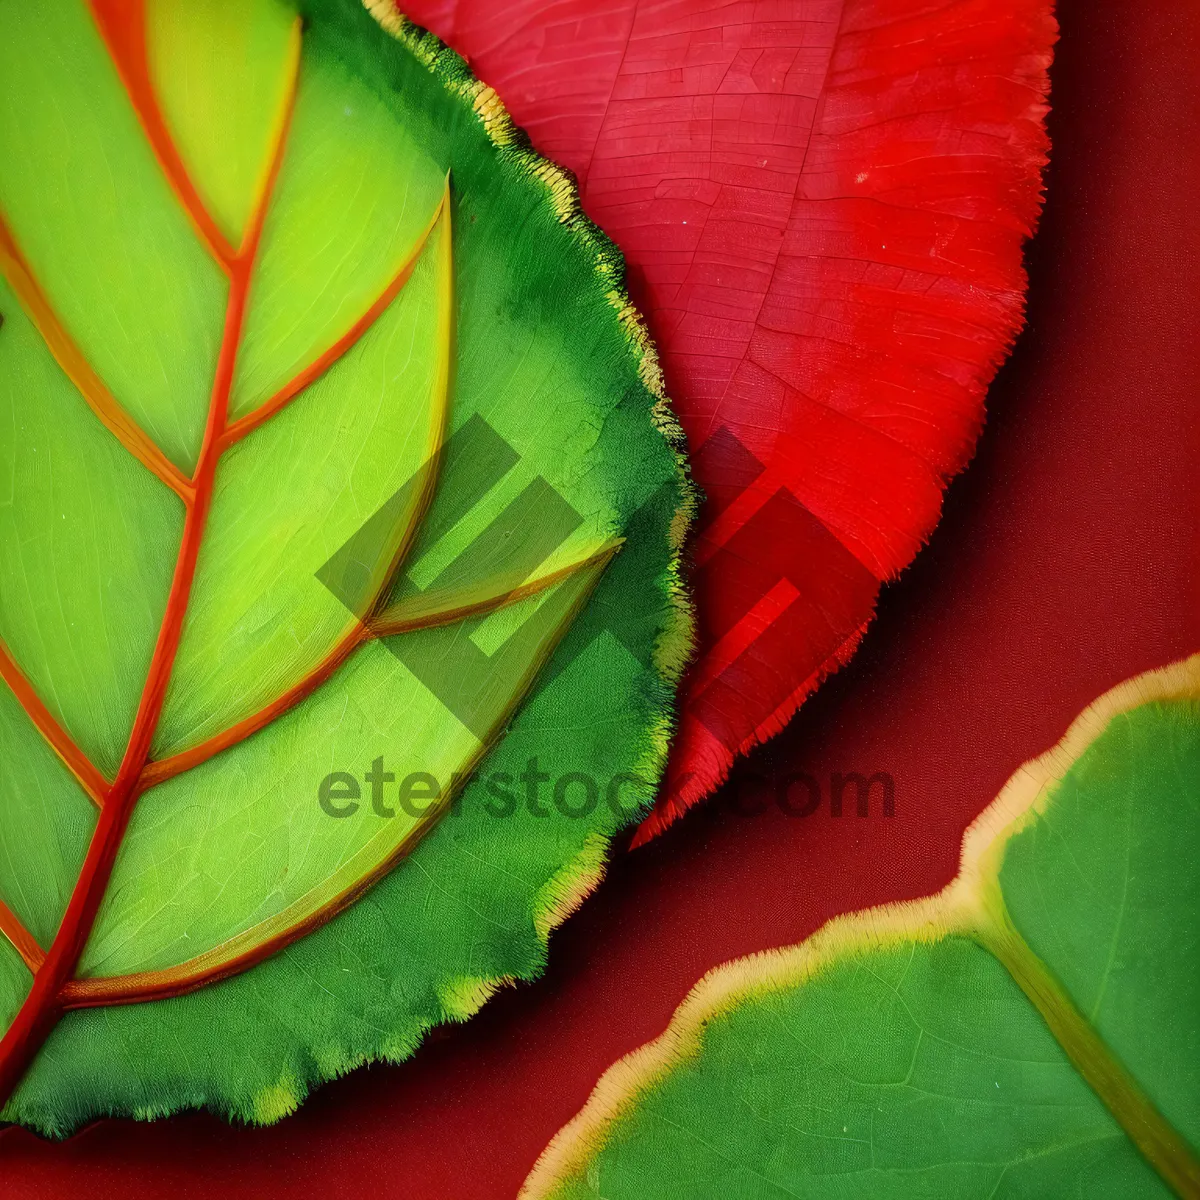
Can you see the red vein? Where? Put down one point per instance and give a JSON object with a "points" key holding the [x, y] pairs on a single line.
{"points": [[22, 940], [54, 989], [321, 903], [77, 368], [360, 629], [44, 1004], [61, 742], [403, 617], [122, 25], [167, 768], [240, 428]]}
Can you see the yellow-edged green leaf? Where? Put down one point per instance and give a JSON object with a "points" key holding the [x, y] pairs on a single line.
{"points": [[1031, 1031]]}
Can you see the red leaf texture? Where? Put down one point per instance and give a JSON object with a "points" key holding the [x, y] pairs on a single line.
{"points": [[822, 205]]}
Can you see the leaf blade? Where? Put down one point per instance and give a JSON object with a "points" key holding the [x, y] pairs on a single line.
{"points": [[547, 327], [838, 970], [218, 111], [124, 232]]}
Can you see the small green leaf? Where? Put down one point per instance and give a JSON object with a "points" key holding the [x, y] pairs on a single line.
{"points": [[1031, 1031], [337, 474]]}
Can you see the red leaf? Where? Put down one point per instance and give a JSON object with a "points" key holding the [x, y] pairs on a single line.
{"points": [[822, 205]]}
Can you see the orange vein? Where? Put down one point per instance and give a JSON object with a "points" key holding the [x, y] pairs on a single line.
{"points": [[427, 611], [320, 903], [77, 368], [44, 1004], [407, 616], [163, 769], [23, 941], [61, 742], [240, 428], [280, 124], [122, 25], [359, 630]]}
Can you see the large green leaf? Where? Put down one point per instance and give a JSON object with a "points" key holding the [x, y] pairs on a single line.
{"points": [[1031, 1031], [327, 438]]}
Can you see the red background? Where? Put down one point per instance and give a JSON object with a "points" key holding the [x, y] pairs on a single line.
{"points": [[1067, 560]]}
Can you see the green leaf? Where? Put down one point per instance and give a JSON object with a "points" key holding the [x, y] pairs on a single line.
{"points": [[1030, 1031], [332, 451]]}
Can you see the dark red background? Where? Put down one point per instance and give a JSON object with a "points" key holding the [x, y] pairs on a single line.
{"points": [[1067, 560]]}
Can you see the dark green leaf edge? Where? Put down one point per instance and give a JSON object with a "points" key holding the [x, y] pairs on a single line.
{"points": [[676, 646]]}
